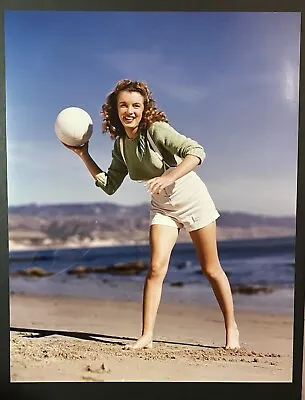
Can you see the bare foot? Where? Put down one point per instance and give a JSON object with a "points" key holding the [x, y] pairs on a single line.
{"points": [[144, 342], [232, 338]]}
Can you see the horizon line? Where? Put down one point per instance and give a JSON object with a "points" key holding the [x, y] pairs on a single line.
{"points": [[33, 204]]}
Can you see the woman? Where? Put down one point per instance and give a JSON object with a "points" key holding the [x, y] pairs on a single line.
{"points": [[179, 198]]}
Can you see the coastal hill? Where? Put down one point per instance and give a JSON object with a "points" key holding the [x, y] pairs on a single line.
{"points": [[97, 224]]}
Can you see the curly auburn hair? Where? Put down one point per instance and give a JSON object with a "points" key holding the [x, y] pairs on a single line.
{"points": [[111, 121]]}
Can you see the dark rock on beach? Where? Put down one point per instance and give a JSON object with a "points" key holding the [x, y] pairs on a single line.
{"points": [[251, 289], [199, 272], [80, 271], [132, 268], [32, 271], [177, 284], [183, 265]]}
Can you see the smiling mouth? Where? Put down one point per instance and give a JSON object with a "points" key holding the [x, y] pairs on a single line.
{"points": [[128, 120]]}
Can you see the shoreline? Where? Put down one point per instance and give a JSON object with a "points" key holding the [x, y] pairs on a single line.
{"points": [[210, 309], [15, 246], [70, 339], [278, 302], [96, 244]]}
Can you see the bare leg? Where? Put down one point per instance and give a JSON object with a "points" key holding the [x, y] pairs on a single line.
{"points": [[204, 240], [162, 241]]}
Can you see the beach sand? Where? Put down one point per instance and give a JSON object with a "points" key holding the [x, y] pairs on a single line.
{"points": [[77, 339]]}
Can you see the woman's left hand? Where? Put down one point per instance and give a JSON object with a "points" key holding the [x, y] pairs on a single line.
{"points": [[156, 185]]}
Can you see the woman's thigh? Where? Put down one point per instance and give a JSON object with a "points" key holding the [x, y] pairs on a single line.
{"points": [[162, 240], [205, 243]]}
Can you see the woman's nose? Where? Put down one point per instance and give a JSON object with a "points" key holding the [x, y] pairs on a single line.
{"points": [[130, 110]]}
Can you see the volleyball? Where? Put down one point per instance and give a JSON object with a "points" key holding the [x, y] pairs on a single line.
{"points": [[73, 126]]}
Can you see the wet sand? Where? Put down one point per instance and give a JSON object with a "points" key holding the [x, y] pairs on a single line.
{"points": [[78, 339]]}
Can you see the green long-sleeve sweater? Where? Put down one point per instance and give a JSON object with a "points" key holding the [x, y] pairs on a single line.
{"points": [[142, 162]]}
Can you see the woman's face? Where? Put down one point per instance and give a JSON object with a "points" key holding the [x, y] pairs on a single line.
{"points": [[130, 110]]}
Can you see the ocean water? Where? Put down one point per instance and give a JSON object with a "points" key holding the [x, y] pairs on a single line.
{"points": [[267, 262], [250, 262]]}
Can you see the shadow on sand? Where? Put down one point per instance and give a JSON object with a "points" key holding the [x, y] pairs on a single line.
{"points": [[97, 337]]}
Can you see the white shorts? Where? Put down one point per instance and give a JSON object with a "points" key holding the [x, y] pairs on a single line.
{"points": [[184, 204]]}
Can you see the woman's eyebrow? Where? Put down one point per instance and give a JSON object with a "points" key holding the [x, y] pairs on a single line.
{"points": [[135, 104]]}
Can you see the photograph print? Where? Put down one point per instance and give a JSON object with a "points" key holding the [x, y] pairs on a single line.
{"points": [[152, 179]]}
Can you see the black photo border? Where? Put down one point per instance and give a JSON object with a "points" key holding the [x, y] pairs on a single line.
{"points": [[225, 390]]}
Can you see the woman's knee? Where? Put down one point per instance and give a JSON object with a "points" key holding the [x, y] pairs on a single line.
{"points": [[212, 271], [157, 270]]}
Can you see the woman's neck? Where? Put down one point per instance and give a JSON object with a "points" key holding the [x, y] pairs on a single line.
{"points": [[132, 133]]}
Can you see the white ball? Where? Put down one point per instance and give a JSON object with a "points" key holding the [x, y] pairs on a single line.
{"points": [[73, 126]]}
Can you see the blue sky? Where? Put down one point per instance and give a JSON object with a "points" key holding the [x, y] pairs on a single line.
{"points": [[228, 80]]}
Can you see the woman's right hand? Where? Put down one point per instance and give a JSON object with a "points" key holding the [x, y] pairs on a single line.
{"points": [[79, 150]]}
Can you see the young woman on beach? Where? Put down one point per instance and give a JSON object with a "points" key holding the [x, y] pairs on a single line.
{"points": [[148, 149]]}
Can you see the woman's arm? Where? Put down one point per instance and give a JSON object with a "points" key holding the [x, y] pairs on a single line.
{"points": [[92, 167], [155, 185], [109, 181], [191, 152], [189, 163], [166, 137]]}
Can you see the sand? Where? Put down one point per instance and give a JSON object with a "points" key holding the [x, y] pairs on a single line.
{"points": [[73, 339]]}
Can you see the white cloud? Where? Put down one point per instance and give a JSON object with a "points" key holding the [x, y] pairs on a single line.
{"points": [[159, 71], [290, 82]]}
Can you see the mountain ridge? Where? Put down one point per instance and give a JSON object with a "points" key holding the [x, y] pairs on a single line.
{"points": [[88, 223]]}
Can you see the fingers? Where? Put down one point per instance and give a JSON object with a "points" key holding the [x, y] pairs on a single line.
{"points": [[65, 144], [70, 147], [77, 149], [154, 186]]}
